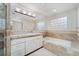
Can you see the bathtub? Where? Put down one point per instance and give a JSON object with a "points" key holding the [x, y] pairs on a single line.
{"points": [[59, 42]]}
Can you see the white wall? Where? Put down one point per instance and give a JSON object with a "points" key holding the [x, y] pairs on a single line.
{"points": [[75, 44], [72, 18], [78, 19]]}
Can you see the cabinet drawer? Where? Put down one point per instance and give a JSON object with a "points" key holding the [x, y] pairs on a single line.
{"points": [[18, 48], [29, 46], [17, 41]]}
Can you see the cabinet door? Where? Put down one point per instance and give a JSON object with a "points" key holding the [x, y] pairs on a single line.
{"points": [[18, 50], [38, 42], [29, 45], [33, 43]]}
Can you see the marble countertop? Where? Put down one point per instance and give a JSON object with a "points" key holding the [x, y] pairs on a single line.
{"points": [[25, 35]]}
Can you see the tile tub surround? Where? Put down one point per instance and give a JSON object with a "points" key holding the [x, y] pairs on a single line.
{"points": [[59, 42], [59, 50], [71, 36]]}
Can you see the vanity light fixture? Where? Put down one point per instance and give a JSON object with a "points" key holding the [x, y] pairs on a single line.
{"points": [[18, 9], [24, 12]]}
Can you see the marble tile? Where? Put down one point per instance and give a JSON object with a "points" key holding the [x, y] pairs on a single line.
{"points": [[59, 50], [65, 35]]}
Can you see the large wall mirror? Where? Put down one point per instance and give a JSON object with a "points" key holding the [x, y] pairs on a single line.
{"points": [[17, 26], [23, 25]]}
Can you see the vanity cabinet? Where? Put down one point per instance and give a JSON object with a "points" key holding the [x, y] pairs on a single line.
{"points": [[33, 43], [18, 47], [23, 46], [18, 50]]}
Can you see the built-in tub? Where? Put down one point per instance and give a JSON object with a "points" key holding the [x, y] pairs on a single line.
{"points": [[59, 42], [59, 47]]}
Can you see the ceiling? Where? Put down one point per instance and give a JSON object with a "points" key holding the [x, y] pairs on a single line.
{"points": [[50, 9]]}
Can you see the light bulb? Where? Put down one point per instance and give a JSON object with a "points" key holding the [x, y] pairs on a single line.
{"points": [[18, 10], [24, 12], [29, 13]]}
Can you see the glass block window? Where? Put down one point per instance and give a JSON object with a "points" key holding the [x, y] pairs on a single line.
{"points": [[59, 23]]}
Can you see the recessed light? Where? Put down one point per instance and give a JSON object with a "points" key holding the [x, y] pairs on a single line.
{"points": [[18, 9], [54, 10]]}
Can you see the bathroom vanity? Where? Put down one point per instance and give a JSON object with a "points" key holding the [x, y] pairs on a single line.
{"points": [[25, 41], [24, 44]]}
